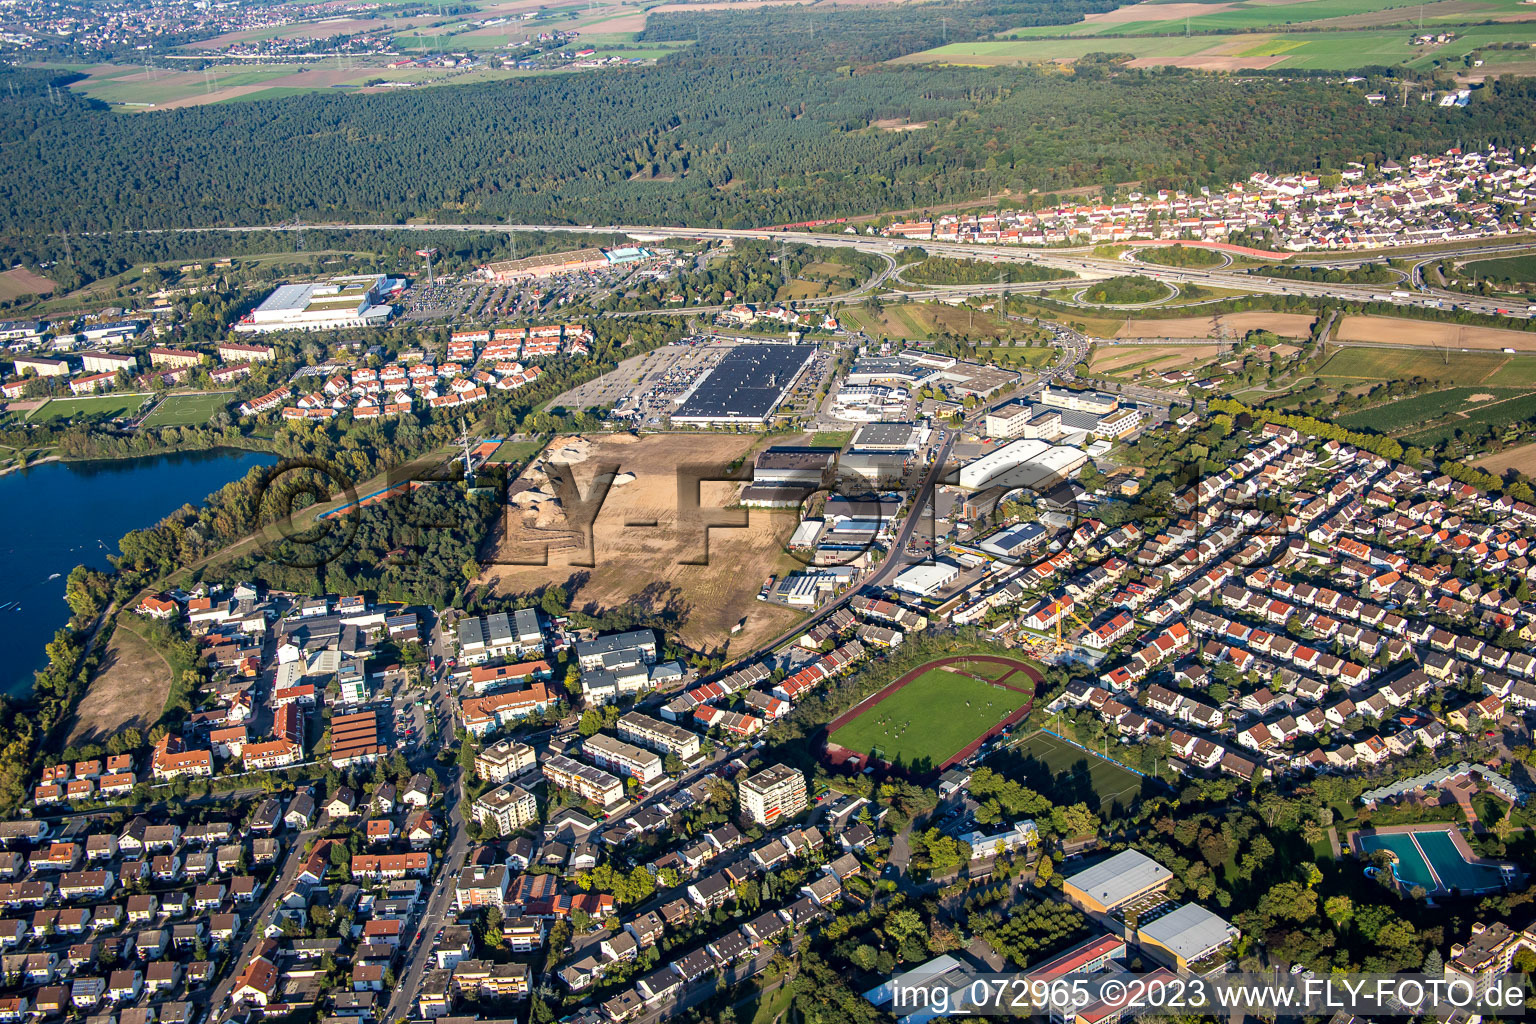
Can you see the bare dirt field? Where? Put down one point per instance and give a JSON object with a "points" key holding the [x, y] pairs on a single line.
{"points": [[1162, 358], [1287, 325], [1521, 460], [128, 690], [642, 545], [1392, 331], [22, 281]]}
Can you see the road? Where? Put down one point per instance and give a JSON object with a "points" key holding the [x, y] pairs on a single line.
{"points": [[279, 887], [1076, 261], [438, 906]]}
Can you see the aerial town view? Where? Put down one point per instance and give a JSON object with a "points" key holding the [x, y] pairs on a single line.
{"points": [[767, 511]]}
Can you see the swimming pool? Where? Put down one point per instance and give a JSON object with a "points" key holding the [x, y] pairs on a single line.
{"points": [[1431, 859]]}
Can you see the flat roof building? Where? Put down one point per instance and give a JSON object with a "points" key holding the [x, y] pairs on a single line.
{"points": [[1113, 883], [746, 386], [1025, 463], [886, 437], [337, 304], [926, 580], [773, 794], [1188, 935]]}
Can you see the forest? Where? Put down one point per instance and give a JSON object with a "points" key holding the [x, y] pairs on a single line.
{"points": [[702, 141]]}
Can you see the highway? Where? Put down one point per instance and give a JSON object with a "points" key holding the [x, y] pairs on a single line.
{"points": [[1076, 261]]}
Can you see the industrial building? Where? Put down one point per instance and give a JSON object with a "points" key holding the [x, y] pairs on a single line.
{"points": [[888, 437], [926, 580], [1024, 463], [337, 304], [745, 387], [1116, 882]]}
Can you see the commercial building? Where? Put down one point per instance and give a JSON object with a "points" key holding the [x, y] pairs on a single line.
{"points": [[746, 386], [1024, 463], [503, 760], [1187, 935], [792, 466], [548, 264], [1113, 883], [1095, 402], [887, 437], [660, 736], [585, 781], [926, 580], [1015, 541], [1007, 420], [626, 759], [775, 793], [508, 807], [338, 304], [1118, 423]]}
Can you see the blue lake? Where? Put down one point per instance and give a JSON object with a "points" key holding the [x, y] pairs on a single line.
{"points": [[58, 515]]}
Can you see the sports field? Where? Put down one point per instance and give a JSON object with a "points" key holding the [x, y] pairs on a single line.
{"points": [[187, 410], [1069, 773], [934, 712], [90, 405]]}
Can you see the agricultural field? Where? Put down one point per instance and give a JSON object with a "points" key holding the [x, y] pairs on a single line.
{"points": [[105, 406], [1069, 774], [1352, 364], [933, 717], [133, 89], [1419, 409], [638, 546], [21, 281], [1230, 325], [1430, 334], [1130, 361], [1496, 415], [1521, 459], [1521, 269], [187, 410], [1317, 35], [923, 321]]}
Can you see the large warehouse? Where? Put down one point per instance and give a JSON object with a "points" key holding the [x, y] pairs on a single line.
{"points": [[337, 304], [1029, 463], [552, 263], [745, 387]]}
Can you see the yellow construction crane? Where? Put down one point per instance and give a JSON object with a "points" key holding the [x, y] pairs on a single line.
{"points": [[1058, 606]]}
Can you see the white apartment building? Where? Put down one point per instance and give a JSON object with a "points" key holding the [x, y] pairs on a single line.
{"points": [[659, 736], [509, 807], [504, 760], [625, 758], [775, 793]]}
